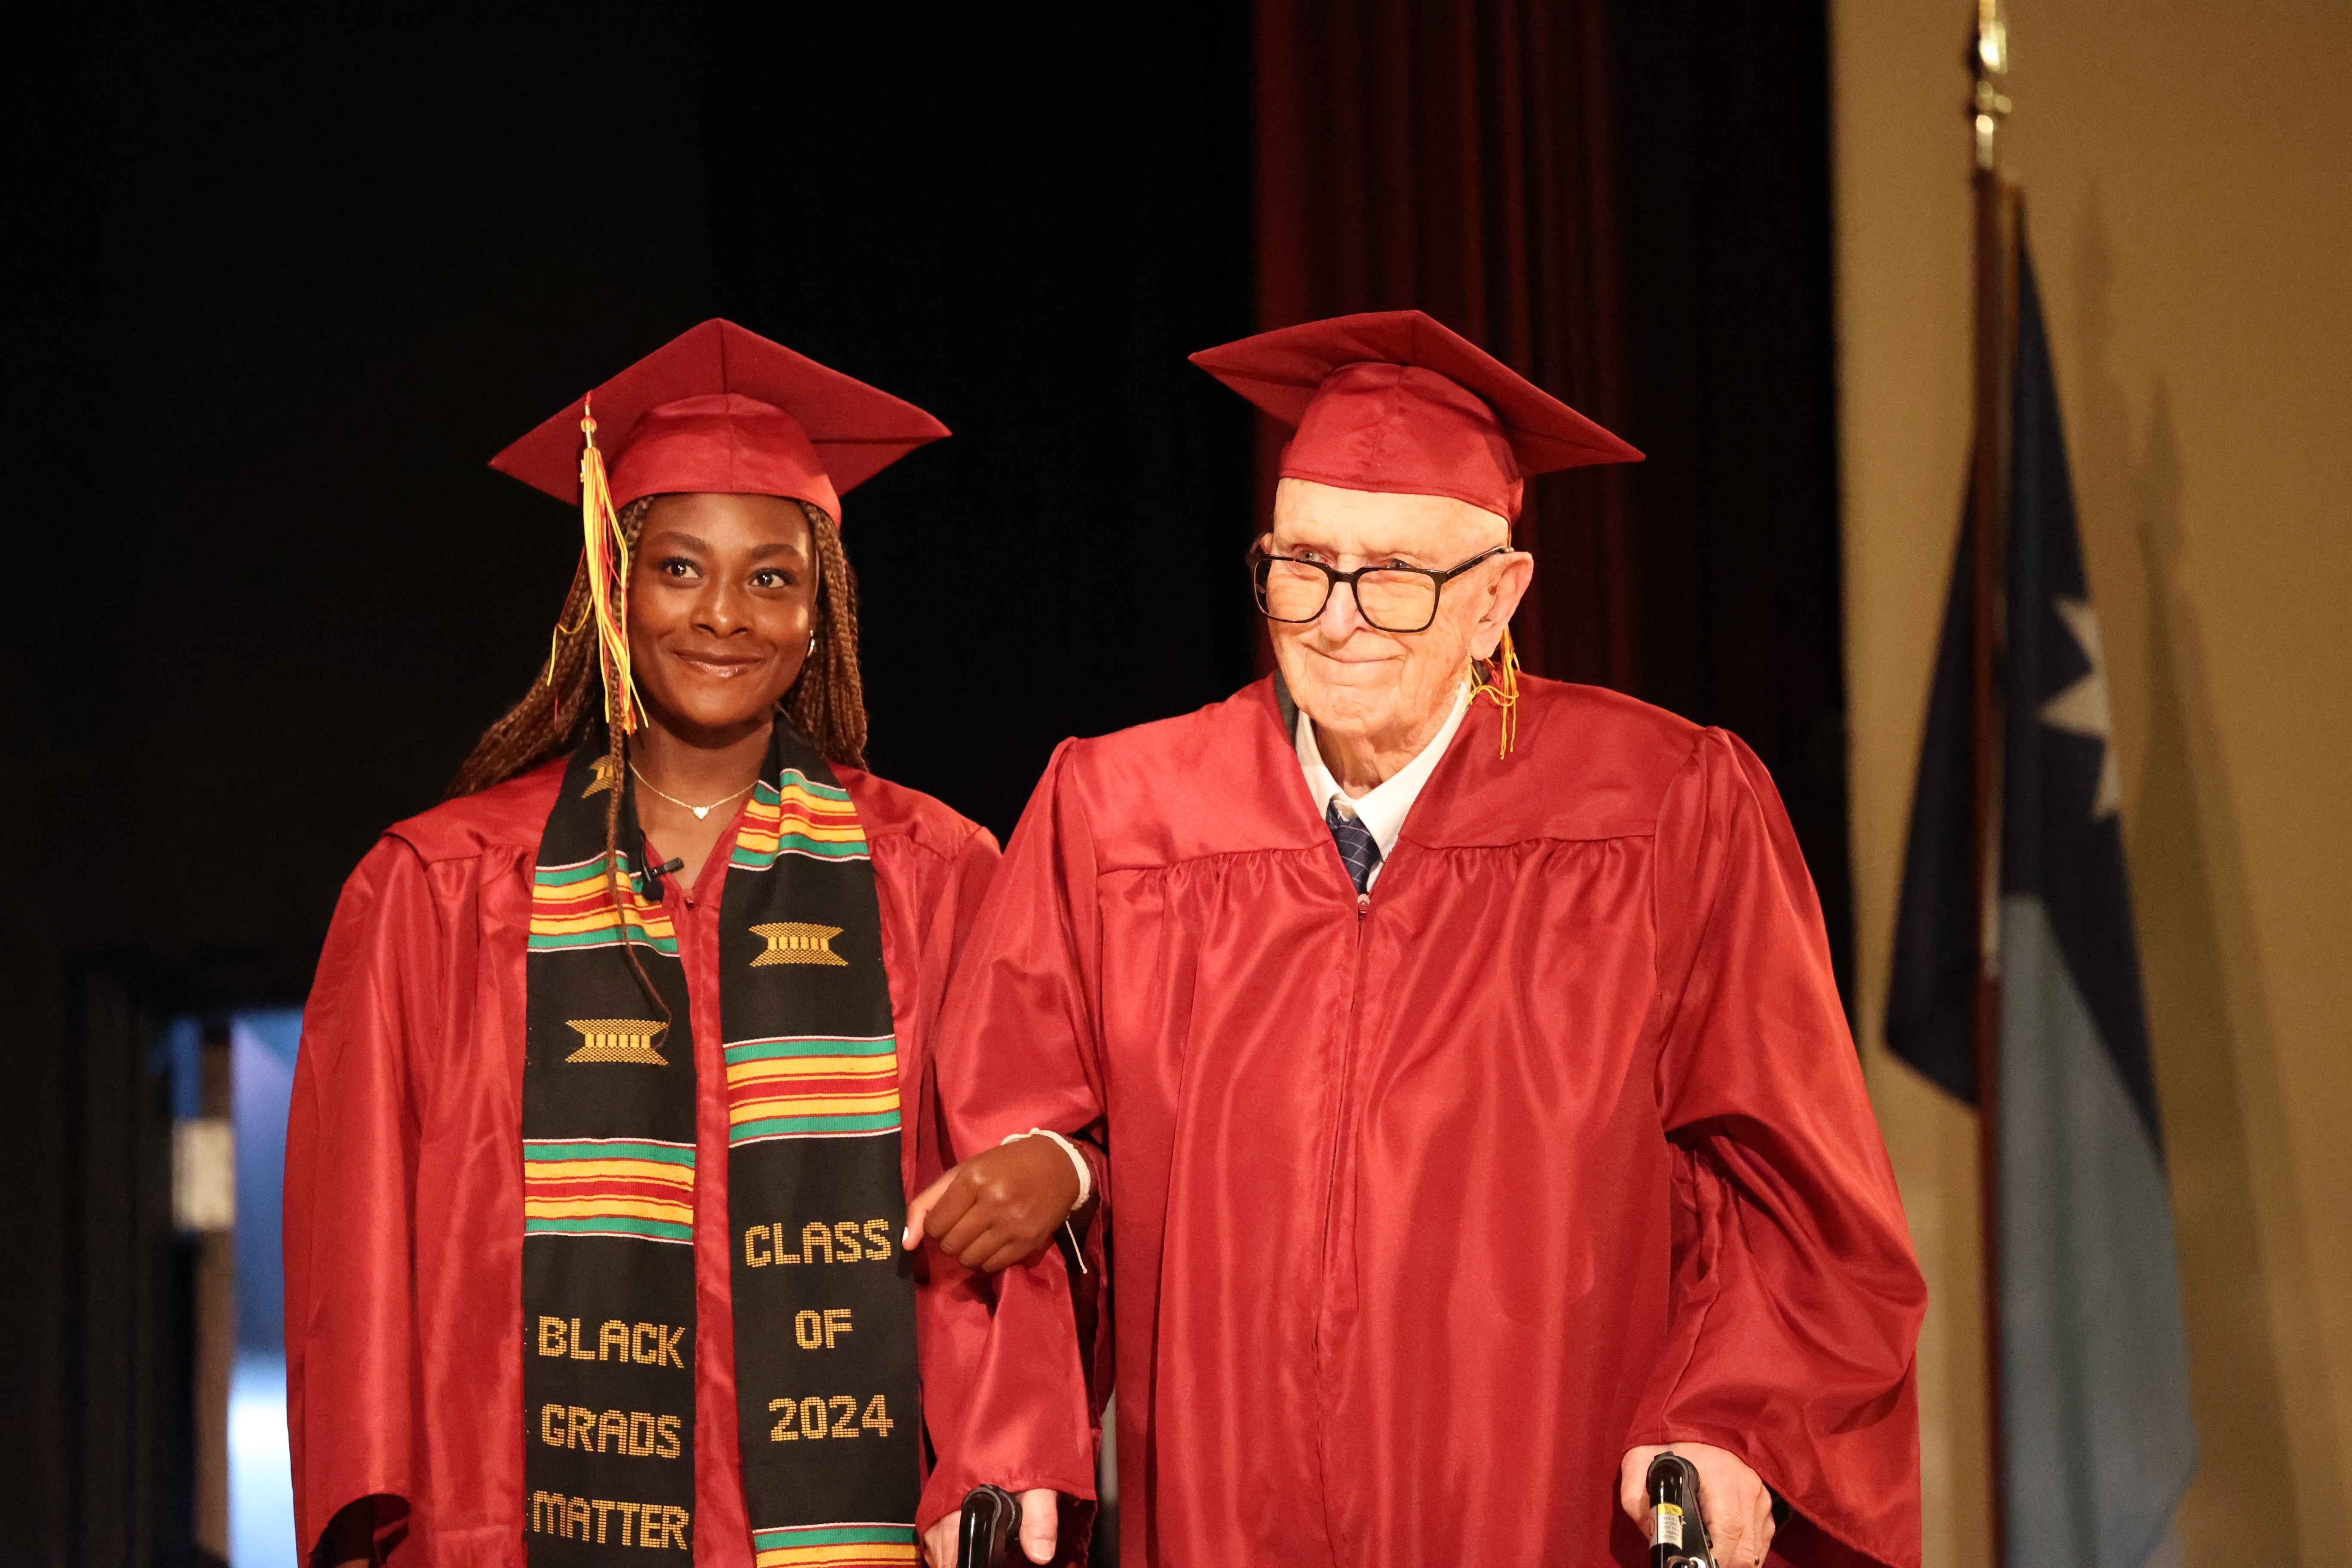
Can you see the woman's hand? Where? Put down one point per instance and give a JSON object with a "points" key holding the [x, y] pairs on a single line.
{"points": [[1732, 1498], [998, 1207]]}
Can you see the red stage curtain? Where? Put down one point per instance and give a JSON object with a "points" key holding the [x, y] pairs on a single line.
{"points": [[1454, 155]]}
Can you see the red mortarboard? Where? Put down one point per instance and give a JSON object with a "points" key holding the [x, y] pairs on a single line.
{"points": [[1394, 401], [721, 409]]}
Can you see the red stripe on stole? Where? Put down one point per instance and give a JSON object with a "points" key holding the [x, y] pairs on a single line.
{"points": [[798, 1087], [658, 1191]]}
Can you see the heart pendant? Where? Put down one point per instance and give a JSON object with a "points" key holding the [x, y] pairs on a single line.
{"points": [[699, 812]]}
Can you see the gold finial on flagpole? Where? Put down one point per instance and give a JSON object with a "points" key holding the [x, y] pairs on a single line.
{"points": [[1988, 63]]}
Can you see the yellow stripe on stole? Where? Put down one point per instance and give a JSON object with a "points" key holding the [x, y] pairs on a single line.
{"points": [[627, 1170], [811, 1067], [635, 1208], [811, 1105]]}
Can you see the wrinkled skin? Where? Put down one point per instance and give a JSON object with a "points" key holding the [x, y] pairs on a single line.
{"points": [[1376, 698], [1737, 1508]]}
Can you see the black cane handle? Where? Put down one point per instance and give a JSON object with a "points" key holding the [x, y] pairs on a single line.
{"points": [[1677, 1526], [992, 1519]]}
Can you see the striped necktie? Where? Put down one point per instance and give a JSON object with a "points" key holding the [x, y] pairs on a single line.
{"points": [[1356, 845]]}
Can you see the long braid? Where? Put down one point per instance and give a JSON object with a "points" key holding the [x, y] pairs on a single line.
{"points": [[827, 703], [553, 717]]}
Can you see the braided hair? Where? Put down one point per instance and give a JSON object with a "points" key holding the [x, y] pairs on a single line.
{"points": [[826, 703]]}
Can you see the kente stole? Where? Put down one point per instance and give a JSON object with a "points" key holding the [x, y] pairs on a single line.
{"points": [[823, 1307]]}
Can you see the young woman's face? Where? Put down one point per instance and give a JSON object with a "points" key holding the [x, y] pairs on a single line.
{"points": [[722, 595]]}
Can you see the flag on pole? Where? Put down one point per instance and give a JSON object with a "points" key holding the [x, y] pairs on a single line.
{"points": [[2096, 1439]]}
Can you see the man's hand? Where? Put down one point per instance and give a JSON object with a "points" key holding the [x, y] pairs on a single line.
{"points": [[1039, 1516], [1737, 1507], [999, 1206]]}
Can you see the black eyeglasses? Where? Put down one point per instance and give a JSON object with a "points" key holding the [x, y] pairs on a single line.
{"points": [[1395, 599]]}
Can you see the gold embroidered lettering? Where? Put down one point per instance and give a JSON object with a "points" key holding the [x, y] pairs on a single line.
{"points": [[816, 1236], [578, 1521], [782, 1255], [613, 1428], [602, 1507], [550, 1336], [641, 1433], [628, 1511], [583, 1429], [580, 1351], [639, 1351], [612, 1342], [668, 1353], [845, 1241], [551, 1425], [836, 1323], [755, 1256], [668, 1446], [878, 1239]]}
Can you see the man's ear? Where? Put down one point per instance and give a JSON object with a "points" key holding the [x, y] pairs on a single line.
{"points": [[1516, 575]]}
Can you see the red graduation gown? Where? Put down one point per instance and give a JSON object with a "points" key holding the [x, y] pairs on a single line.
{"points": [[1424, 1207], [403, 1165]]}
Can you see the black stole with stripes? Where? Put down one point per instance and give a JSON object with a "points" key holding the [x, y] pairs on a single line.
{"points": [[823, 1307]]}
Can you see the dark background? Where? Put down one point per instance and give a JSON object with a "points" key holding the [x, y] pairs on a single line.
{"points": [[285, 280]]}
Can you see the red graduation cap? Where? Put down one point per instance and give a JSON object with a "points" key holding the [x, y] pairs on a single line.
{"points": [[1394, 401], [724, 410]]}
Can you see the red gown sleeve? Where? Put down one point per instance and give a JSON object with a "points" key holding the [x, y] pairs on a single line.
{"points": [[1018, 1048], [351, 1388], [1796, 1298], [952, 1310]]}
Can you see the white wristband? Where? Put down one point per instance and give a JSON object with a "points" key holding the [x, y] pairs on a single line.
{"points": [[1086, 1172]]}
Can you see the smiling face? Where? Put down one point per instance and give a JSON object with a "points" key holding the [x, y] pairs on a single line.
{"points": [[722, 595], [1390, 690]]}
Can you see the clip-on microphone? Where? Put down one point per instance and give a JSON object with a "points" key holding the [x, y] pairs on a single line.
{"points": [[992, 1519], [1677, 1527]]}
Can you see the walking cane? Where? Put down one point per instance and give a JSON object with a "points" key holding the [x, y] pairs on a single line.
{"points": [[1677, 1527], [992, 1517]]}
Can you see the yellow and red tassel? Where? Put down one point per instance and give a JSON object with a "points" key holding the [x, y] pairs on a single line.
{"points": [[607, 556], [1499, 679]]}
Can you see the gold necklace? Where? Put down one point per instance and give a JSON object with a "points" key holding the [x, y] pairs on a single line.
{"points": [[701, 811]]}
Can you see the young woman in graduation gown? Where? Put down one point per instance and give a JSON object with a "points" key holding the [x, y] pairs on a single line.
{"points": [[612, 1080]]}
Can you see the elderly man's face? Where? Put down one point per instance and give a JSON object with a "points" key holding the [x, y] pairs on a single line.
{"points": [[1390, 689]]}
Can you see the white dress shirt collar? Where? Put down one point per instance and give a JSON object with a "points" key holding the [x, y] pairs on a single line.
{"points": [[1382, 808]]}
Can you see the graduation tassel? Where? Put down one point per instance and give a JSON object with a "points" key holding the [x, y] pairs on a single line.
{"points": [[607, 558], [1500, 680]]}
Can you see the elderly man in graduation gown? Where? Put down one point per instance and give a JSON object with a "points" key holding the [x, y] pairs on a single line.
{"points": [[1464, 1094]]}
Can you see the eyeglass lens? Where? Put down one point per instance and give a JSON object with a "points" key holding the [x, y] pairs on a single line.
{"points": [[1391, 601]]}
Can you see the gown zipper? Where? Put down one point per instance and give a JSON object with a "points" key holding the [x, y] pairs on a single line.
{"points": [[1347, 1081], [1330, 1199]]}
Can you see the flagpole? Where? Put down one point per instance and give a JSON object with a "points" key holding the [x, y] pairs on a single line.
{"points": [[1988, 57]]}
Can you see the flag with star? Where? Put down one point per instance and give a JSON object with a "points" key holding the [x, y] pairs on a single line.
{"points": [[2096, 1439]]}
